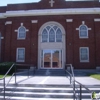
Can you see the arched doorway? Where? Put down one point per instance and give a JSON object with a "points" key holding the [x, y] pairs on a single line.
{"points": [[51, 47]]}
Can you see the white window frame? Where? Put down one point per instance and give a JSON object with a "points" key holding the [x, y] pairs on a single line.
{"points": [[17, 60], [51, 27], [81, 54], [19, 38], [80, 31]]}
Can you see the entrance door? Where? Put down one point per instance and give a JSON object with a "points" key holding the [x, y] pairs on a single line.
{"points": [[51, 59]]}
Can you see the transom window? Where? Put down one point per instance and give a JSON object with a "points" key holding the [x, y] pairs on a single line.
{"points": [[51, 33], [84, 54], [83, 31], [21, 32], [20, 55]]}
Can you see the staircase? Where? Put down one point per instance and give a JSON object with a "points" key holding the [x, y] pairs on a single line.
{"points": [[38, 92], [50, 72], [44, 91]]}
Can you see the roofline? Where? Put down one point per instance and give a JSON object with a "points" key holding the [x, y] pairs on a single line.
{"points": [[41, 12]]}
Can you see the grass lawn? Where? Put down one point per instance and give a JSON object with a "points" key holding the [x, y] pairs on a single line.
{"points": [[96, 76], [1, 76]]}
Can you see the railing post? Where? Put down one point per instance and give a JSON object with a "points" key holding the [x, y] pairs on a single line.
{"points": [[4, 88], [28, 73], [74, 88], [71, 80], [34, 68], [15, 74], [80, 92]]}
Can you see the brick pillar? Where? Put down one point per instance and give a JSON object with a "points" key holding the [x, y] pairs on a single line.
{"points": [[97, 37], [69, 42], [8, 35], [34, 43], [1, 47]]}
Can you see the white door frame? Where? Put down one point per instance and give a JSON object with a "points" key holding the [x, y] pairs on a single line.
{"points": [[51, 53], [49, 45]]}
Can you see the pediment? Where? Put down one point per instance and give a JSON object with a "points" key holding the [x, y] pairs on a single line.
{"points": [[52, 3]]}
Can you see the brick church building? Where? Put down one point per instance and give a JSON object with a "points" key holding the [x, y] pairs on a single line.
{"points": [[51, 33]]}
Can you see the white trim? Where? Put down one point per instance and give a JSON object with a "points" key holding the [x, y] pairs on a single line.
{"points": [[21, 38], [80, 30], [27, 30], [51, 60], [16, 30], [39, 12], [8, 22], [34, 21], [87, 54], [89, 29], [17, 55], [83, 23], [97, 20], [69, 20], [2, 37], [54, 45], [48, 33], [77, 29], [49, 23], [21, 24], [2, 15]]}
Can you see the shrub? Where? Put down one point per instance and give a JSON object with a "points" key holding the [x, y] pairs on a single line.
{"points": [[5, 66]]}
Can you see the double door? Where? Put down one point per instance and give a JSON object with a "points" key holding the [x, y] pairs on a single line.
{"points": [[51, 58]]}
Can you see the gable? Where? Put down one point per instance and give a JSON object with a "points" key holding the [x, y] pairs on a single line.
{"points": [[45, 7]]}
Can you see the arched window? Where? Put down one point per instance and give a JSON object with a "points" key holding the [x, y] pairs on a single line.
{"points": [[44, 36], [21, 32], [59, 36], [51, 33], [83, 31]]}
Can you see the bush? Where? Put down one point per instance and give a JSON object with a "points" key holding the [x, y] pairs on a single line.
{"points": [[5, 66]]}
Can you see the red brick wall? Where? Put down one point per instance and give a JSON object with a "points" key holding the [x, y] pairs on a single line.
{"points": [[73, 42], [2, 31], [97, 42], [90, 42]]}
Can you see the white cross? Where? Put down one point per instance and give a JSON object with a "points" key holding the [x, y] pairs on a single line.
{"points": [[51, 2]]}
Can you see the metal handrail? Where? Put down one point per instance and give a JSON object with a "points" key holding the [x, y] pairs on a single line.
{"points": [[7, 72], [72, 79], [13, 65], [4, 86]]}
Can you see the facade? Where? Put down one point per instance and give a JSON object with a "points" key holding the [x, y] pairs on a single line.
{"points": [[51, 33]]}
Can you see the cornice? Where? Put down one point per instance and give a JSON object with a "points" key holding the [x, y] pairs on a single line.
{"points": [[41, 12]]}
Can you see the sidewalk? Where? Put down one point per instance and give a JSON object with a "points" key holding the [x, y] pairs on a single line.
{"points": [[60, 80]]}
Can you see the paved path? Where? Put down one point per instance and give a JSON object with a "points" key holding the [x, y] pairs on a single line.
{"points": [[63, 80]]}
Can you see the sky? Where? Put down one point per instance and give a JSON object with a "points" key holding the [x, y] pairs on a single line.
{"points": [[5, 2]]}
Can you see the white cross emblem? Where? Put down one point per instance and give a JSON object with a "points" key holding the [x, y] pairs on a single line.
{"points": [[51, 2]]}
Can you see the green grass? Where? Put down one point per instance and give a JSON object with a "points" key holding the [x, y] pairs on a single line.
{"points": [[96, 76], [1, 76]]}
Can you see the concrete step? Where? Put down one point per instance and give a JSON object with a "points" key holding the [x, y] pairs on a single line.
{"points": [[51, 72], [26, 98], [44, 92]]}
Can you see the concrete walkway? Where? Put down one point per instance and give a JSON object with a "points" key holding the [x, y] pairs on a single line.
{"points": [[60, 80]]}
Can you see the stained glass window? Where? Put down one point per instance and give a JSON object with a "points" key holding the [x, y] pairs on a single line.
{"points": [[51, 33]]}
